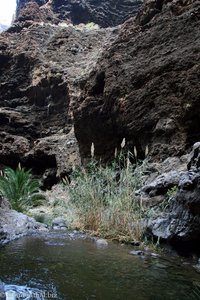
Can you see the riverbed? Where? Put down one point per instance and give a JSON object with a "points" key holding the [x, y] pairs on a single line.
{"points": [[69, 265]]}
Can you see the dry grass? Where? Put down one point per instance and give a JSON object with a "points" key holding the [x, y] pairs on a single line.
{"points": [[101, 199], [104, 200], [57, 206]]}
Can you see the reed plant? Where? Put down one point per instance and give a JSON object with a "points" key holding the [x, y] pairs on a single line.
{"points": [[104, 197]]}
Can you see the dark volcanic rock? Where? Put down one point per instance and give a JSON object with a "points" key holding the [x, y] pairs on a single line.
{"points": [[180, 224], [139, 81], [161, 184], [44, 63], [34, 101], [21, 4], [146, 86], [42, 68], [102, 12]]}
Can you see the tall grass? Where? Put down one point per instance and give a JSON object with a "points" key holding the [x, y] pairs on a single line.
{"points": [[104, 198]]}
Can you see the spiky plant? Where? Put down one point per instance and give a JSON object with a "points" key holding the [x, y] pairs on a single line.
{"points": [[20, 189], [196, 292]]}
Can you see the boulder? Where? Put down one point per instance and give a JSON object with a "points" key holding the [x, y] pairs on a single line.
{"points": [[59, 224], [137, 252], [160, 185], [101, 243], [14, 225], [180, 224], [135, 243]]}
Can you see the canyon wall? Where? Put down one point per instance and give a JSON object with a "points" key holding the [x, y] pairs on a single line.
{"points": [[66, 83], [145, 87], [102, 12], [44, 62]]}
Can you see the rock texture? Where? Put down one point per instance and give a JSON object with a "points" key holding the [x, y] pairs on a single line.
{"points": [[59, 224], [14, 225], [102, 12], [146, 85], [64, 87], [179, 219], [44, 63], [43, 66]]}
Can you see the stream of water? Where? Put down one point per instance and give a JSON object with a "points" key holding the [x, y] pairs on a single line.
{"points": [[68, 266]]}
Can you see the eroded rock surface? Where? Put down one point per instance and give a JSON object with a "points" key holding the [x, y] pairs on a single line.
{"points": [[43, 66], [146, 86], [179, 222], [61, 83], [102, 12], [14, 225]]}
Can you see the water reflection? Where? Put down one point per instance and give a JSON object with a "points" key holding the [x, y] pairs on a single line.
{"points": [[75, 269]]}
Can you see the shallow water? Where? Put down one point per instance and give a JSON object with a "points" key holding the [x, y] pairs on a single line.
{"points": [[68, 266]]}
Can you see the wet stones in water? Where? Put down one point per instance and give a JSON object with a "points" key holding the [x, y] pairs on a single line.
{"points": [[135, 243], [101, 243], [59, 224], [144, 253], [137, 252], [14, 292]]}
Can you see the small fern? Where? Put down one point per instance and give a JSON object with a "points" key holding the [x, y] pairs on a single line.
{"points": [[20, 189]]}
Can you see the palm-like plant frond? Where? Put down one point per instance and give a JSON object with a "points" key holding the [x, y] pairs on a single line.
{"points": [[20, 189], [196, 292]]}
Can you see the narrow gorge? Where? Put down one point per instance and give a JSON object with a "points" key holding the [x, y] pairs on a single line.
{"points": [[104, 93]]}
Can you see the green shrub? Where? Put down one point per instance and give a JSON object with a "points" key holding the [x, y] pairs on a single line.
{"points": [[20, 189], [165, 204], [39, 218], [44, 218]]}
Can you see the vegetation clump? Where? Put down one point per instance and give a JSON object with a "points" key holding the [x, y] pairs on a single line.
{"points": [[104, 198], [92, 26], [20, 189]]}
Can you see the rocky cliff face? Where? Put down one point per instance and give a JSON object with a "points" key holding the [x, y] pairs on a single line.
{"points": [[65, 86], [44, 62], [175, 198], [146, 85], [102, 12]]}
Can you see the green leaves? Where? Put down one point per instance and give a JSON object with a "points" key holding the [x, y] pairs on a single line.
{"points": [[20, 189], [103, 198]]}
